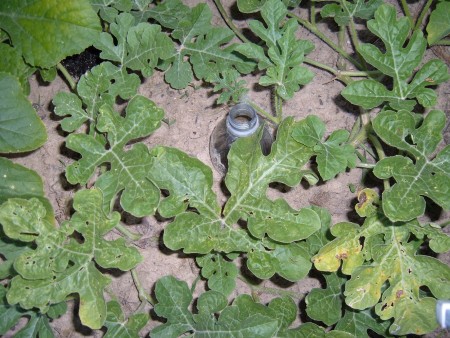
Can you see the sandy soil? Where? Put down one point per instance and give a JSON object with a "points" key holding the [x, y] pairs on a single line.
{"points": [[194, 116]]}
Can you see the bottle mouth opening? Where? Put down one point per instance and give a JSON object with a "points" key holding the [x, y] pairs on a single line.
{"points": [[242, 120]]}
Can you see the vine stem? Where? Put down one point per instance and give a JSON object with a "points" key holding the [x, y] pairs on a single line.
{"points": [[67, 76], [122, 228], [355, 41], [365, 165], [325, 39], [423, 12], [142, 294], [443, 42], [229, 22], [268, 290], [381, 155], [406, 9], [263, 113], [278, 106]]}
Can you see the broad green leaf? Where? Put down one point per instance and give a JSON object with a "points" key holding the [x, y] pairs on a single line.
{"points": [[118, 326], [345, 11], [12, 62], [44, 280], [325, 305], [333, 155], [47, 31], [129, 169], [21, 129], [285, 53], [221, 274], [358, 322], [244, 318], [232, 89], [439, 241], [399, 62], [200, 227], [102, 85], [439, 25], [137, 47], [206, 46], [318, 239], [313, 330], [18, 181], [425, 176]]}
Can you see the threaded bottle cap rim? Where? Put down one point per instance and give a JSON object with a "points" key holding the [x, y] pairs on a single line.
{"points": [[242, 120]]}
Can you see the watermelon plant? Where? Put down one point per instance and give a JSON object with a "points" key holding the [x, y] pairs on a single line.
{"points": [[381, 276]]}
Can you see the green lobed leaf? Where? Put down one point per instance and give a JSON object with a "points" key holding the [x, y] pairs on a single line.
{"points": [[207, 47], [333, 155], [221, 274], [47, 31], [404, 200], [325, 305], [21, 129], [357, 323], [399, 63], [285, 53], [129, 169], [250, 6], [137, 47], [44, 280], [102, 85], [387, 272], [439, 25], [199, 226], [345, 11], [118, 326], [232, 89], [108, 10], [37, 324], [244, 318]]}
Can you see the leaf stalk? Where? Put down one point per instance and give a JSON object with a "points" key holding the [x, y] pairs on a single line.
{"points": [[67, 76]]}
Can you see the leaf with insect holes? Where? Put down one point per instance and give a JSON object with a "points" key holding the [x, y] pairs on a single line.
{"points": [[129, 169], [273, 226], [207, 47], [43, 280], [345, 11], [118, 326], [285, 53], [232, 89], [325, 305], [221, 274], [136, 47], [244, 318], [102, 85], [333, 155], [21, 129], [439, 24], [47, 31], [416, 175], [399, 63]]}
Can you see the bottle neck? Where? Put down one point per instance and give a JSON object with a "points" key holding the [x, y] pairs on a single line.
{"points": [[242, 120]]}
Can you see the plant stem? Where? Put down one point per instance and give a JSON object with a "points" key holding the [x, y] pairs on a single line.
{"points": [[406, 9], [142, 294], [278, 106], [271, 291], [365, 165], [67, 76], [122, 228], [380, 152], [262, 112], [444, 223], [328, 41], [443, 42], [229, 22], [355, 41], [423, 12]]}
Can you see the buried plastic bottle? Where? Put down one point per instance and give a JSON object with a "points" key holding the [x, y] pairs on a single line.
{"points": [[241, 121]]}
